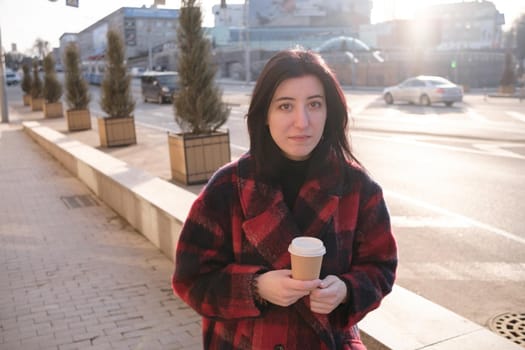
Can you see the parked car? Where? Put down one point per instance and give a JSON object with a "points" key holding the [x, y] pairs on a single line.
{"points": [[136, 72], [11, 77], [159, 86], [425, 90]]}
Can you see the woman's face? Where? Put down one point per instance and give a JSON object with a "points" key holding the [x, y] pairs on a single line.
{"points": [[297, 115]]}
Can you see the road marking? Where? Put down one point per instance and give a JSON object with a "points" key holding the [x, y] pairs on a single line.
{"points": [[241, 148], [496, 149], [236, 118], [392, 113], [475, 115], [516, 115], [154, 127], [487, 150], [464, 271], [458, 217], [355, 110], [428, 221]]}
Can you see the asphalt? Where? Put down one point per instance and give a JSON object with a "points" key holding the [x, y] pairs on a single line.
{"points": [[73, 274]]}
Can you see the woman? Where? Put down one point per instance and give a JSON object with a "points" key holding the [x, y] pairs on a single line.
{"points": [[299, 178]]}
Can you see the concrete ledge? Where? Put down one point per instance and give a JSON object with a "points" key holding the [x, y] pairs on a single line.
{"points": [[154, 207], [407, 321], [157, 209]]}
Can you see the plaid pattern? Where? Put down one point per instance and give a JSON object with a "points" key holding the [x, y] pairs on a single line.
{"points": [[238, 227]]}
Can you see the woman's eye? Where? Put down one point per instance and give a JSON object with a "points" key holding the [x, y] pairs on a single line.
{"points": [[315, 104], [285, 107]]}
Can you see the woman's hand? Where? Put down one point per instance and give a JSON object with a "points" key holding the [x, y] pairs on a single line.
{"points": [[331, 292], [279, 288]]}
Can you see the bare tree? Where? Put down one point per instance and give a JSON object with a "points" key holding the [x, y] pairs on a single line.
{"points": [[41, 47]]}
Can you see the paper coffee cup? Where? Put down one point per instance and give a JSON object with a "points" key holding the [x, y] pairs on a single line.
{"points": [[307, 256]]}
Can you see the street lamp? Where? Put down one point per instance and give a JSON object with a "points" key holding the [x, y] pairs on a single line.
{"points": [[247, 41], [3, 96]]}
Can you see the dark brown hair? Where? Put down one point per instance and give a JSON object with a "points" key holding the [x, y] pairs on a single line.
{"points": [[284, 65]]}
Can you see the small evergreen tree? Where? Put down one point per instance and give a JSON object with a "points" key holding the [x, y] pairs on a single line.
{"points": [[116, 99], [198, 105], [77, 90], [509, 77], [36, 86], [52, 87], [26, 79]]}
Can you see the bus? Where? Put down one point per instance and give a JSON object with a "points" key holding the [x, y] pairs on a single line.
{"points": [[93, 70]]}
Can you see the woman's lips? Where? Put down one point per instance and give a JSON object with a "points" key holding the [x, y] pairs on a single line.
{"points": [[299, 137]]}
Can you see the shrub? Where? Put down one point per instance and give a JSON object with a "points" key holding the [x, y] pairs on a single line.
{"points": [[77, 90], [509, 76], [26, 79], [52, 87], [116, 99], [198, 106], [36, 86]]}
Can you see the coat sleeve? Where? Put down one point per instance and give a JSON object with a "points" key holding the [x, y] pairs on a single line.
{"points": [[206, 274], [374, 256]]}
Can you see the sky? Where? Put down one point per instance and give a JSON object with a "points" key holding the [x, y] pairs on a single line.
{"points": [[23, 21]]}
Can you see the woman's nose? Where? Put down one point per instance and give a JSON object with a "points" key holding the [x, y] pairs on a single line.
{"points": [[301, 118]]}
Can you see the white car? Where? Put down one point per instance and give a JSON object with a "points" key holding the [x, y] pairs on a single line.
{"points": [[425, 90], [11, 77]]}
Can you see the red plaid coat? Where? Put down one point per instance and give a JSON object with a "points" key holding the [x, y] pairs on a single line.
{"points": [[238, 227]]}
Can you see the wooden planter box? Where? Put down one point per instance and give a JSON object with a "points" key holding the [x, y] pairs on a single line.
{"points": [[506, 89], [194, 158], [78, 119], [27, 99], [53, 110], [37, 104], [117, 131]]}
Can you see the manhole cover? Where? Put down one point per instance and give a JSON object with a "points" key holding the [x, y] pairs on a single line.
{"points": [[511, 325], [79, 201]]}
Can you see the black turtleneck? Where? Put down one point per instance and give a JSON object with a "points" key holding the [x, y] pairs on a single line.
{"points": [[292, 176]]}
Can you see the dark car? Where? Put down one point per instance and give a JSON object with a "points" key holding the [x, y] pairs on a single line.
{"points": [[159, 86]]}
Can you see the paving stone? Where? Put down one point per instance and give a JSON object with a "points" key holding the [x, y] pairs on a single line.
{"points": [[77, 278]]}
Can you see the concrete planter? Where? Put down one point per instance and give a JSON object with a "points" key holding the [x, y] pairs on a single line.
{"points": [[37, 104], [117, 131], [78, 119], [53, 110], [194, 158]]}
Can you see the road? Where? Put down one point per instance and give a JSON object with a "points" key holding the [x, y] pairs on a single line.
{"points": [[454, 181]]}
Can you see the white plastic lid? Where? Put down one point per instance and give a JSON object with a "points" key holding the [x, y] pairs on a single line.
{"points": [[307, 246]]}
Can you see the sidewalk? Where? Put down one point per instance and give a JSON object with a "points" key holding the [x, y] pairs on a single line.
{"points": [[73, 274]]}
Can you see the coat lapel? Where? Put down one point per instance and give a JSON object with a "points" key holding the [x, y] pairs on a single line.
{"points": [[268, 223]]}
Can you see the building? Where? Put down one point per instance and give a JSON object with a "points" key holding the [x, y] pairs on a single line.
{"points": [[466, 25], [463, 25], [143, 30], [461, 41], [262, 27], [278, 24], [64, 41], [230, 16]]}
